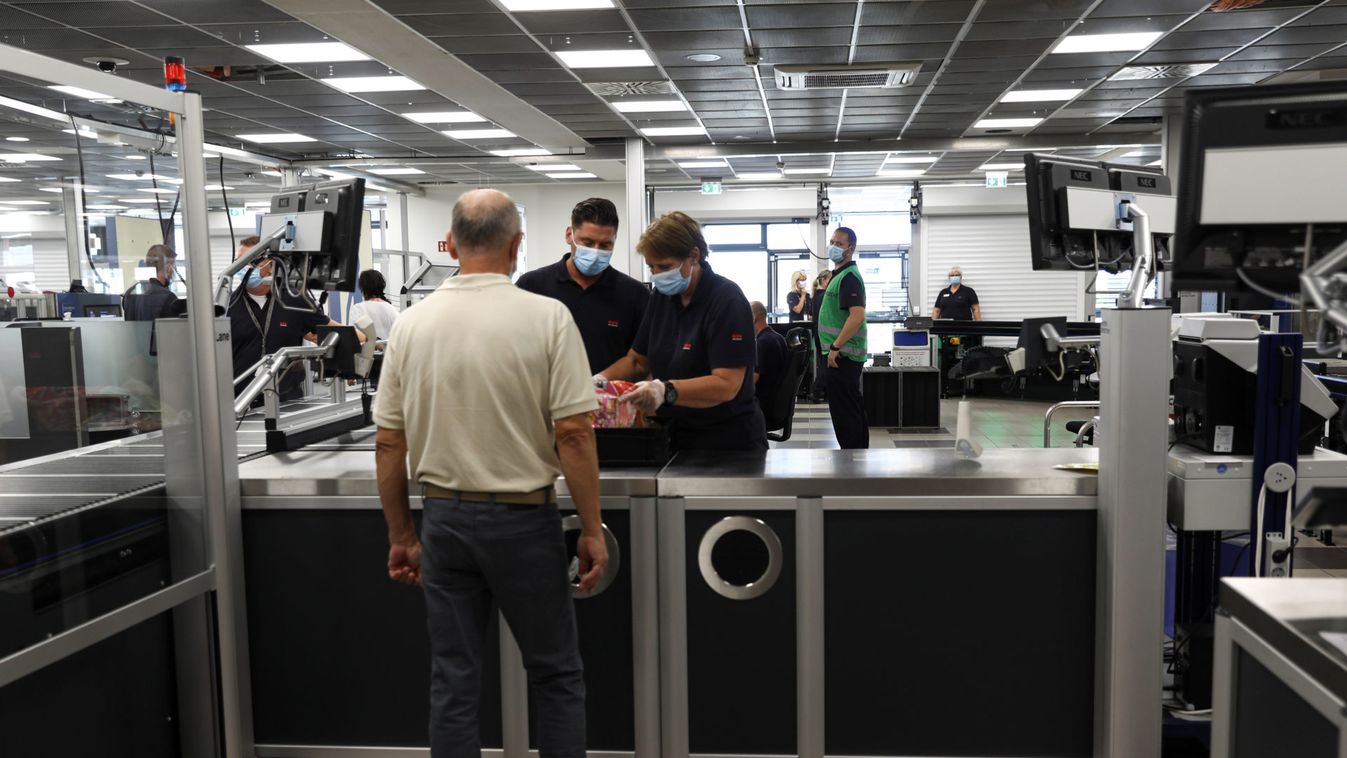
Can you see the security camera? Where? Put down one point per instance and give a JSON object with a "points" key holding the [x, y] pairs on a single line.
{"points": [[140, 172], [780, 164], [107, 66]]}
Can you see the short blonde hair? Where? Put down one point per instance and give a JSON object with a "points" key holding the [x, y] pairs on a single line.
{"points": [[673, 235]]}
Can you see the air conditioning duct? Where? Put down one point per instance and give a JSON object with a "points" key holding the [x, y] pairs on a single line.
{"points": [[856, 76]]}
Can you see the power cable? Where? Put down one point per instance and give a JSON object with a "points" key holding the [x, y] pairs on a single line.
{"points": [[84, 219]]}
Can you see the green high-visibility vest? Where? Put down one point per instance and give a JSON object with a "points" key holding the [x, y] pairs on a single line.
{"points": [[831, 318]]}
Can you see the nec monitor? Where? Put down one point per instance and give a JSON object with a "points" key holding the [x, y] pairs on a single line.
{"points": [[1262, 184], [1053, 246], [344, 203]]}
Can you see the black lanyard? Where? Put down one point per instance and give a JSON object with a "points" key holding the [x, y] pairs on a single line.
{"points": [[271, 303]]}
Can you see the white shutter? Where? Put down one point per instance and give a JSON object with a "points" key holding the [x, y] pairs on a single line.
{"points": [[993, 251]]}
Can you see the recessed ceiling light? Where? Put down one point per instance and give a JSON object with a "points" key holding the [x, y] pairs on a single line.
{"points": [[1001, 167], [759, 176], [557, 167], [87, 94], [625, 58], [16, 139], [1162, 71], [521, 152], [1107, 43], [270, 138], [7, 179], [227, 150], [444, 117], [309, 52], [703, 57], [50, 189], [673, 131], [372, 83], [25, 157], [912, 159], [466, 134], [217, 188], [84, 132], [142, 177], [135, 200], [396, 171], [703, 164], [648, 106], [790, 171], [36, 110], [25, 202], [134, 157], [158, 190], [1039, 95], [555, 5], [1007, 123], [573, 175], [106, 207], [902, 173]]}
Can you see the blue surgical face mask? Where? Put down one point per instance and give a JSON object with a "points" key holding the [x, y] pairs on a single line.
{"points": [[955, 279], [836, 254], [671, 282], [255, 279], [591, 261]]}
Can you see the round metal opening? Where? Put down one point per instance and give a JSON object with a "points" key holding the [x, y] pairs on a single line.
{"points": [[570, 526], [740, 557]]}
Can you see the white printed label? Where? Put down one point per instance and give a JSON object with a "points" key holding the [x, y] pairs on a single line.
{"points": [[1225, 439]]}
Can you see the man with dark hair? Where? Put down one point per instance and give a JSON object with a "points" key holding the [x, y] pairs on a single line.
{"points": [[770, 370], [152, 299], [607, 305], [841, 333]]}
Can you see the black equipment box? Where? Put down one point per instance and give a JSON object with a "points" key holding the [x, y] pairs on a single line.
{"points": [[630, 448]]}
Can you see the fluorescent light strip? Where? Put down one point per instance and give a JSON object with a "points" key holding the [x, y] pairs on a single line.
{"points": [[470, 134], [272, 138], [555, 5], [905, 173], [372, 83], [673, 131], [25, 202], [1107, 43], [573, 175], [444, 117], [158, 190], [544, 168], [623, 58], [137, 200], [1007, 123], [35, 110], [521, 152], [791, 171], [217, 188], [7, 179], [759, 176], [1001, 167], [142, 177], [309, 52], [1040, 95], [396, 171], [87, 94], [106, 207], [25, 158], [911, 159], [648, 106], [704, 164]]}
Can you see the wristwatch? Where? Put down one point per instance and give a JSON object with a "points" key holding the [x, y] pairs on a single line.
{"points": [[833, 348], [670, 393]]}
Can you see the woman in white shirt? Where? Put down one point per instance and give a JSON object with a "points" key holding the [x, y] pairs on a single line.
{"points": [[375, 305]]}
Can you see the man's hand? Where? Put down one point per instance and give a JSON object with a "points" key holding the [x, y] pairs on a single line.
{"points": [[646, 396], [833, 355], [404, 561], [593, 554]]}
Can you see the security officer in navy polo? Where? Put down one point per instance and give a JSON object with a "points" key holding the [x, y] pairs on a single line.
{"points": [[152, 299], [607, 305]]}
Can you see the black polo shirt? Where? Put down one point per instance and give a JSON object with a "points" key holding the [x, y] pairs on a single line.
{"points": [[793, 299], [714, 330], [608, 314], [957, 305], [247, 321], [771, 367], [149, 300]]}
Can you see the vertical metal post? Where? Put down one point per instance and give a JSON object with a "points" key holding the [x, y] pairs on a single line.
{"points": [[72, 202], [1276, 435], [1129, 620], [636, 208], [645, 626], [809, 627], [1223, 689], [514, 696], [673, 621], [219, 465]]}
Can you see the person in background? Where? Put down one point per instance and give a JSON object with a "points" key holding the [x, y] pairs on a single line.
{"points": [[375, 304], [697, 342], [152, 299], [771, 367], [957, 301], [607, 305], [841, 329], [799, 302], [264, 319], [816, 302], [486, 387], [816, 297]]}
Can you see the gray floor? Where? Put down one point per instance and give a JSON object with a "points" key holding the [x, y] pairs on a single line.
{"points": [[999, 422]]}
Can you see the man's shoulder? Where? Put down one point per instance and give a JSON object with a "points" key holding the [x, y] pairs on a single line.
{"points": [[537, 278]]}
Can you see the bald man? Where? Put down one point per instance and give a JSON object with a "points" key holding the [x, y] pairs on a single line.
{"points": [[488, 388]]}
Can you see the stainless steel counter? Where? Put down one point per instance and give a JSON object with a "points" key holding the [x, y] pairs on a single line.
{"points": [[349, 472], [1291, 616], [907, 472]]}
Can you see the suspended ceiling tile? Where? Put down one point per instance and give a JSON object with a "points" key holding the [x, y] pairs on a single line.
{"points": [[904, 13], [1254, 18], [232, 11], [694, 19], [772, 38], [1148, 7], [574, 22]]}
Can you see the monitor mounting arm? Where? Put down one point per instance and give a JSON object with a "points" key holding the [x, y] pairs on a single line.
{"points": [[1133, 216], [1326, 284], [267, 370], [281, 237]]}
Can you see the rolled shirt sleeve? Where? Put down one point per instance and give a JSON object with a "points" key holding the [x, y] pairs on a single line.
{"points": [[571, 389], [388, 411]]}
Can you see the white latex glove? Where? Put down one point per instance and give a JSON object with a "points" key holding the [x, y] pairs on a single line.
{"points": [[646, 396]]}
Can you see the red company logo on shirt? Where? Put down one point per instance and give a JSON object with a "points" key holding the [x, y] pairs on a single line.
{"points": [[687, 345], [736, 337], [282, 323], [614, 324]]}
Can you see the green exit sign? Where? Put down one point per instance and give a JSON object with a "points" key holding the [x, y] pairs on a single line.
{"points": [[711, 187], [998, 179]]}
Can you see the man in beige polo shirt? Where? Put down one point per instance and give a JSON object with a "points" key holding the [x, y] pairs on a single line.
{"points": [[488, 388]]}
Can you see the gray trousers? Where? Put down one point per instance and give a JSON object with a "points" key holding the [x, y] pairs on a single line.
{"points": [[480, 556]]}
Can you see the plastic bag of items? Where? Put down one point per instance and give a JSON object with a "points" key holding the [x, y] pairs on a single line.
{"points": [[612, 413]]}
